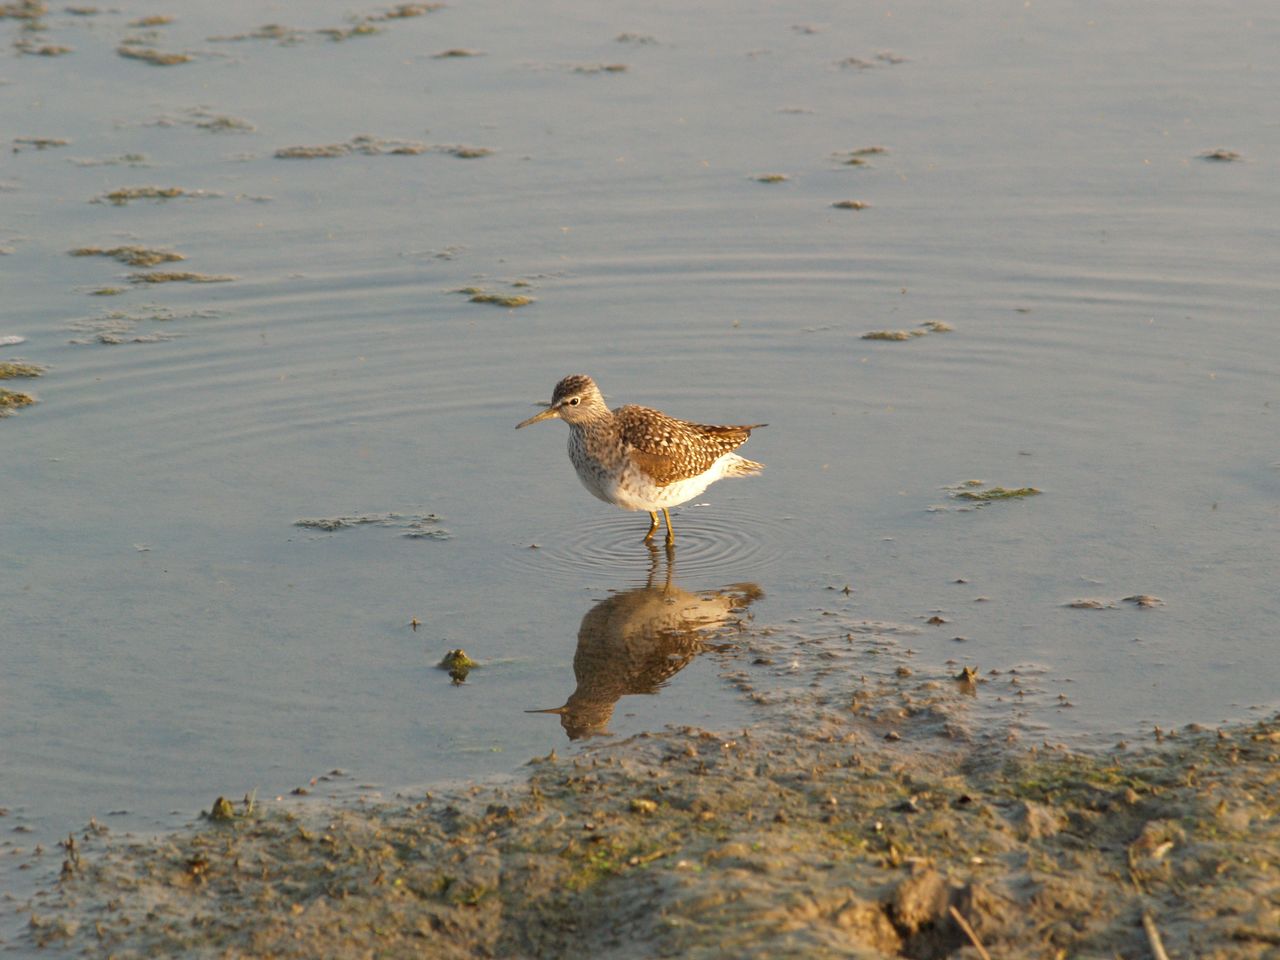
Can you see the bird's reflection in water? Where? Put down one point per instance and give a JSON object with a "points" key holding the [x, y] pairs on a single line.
{"points": [[637, 640]]}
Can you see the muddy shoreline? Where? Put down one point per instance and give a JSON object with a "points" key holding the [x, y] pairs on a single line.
{"points": [[862, 815]]}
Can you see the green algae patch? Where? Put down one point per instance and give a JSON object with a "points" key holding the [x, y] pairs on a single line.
{"points": [[414, 526], [9, 369], [225, 124], [123, 195], [23, 10], [222, 810], [363, 144], [108, 291], [39, 143], [994, 493], [464, 152], [124, 159], [893, 334], [376, 146], [170, 276], [770, 178], [928, 327], [11, 400], [511, 300], [405, 11], [338, 34], [458, 664], [134, 256], [597, 68]]}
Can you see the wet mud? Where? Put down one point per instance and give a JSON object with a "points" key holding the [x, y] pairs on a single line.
{"points": [[862, 814]]}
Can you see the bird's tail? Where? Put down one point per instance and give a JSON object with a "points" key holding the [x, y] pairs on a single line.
{"points": [[737, 466]]}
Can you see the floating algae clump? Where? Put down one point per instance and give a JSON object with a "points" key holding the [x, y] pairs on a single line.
{"points": [[18, 368], [502, 299], [168, 276], [154, 57], [10, 400], [458, 664], [998, 493], [893, 334], [123, 195], [133, 256], [929, 326]]}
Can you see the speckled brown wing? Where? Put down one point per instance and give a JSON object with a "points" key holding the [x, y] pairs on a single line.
{"points": [[668, 449]]}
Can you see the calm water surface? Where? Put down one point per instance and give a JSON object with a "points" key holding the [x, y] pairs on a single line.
{"points": [[169, 634]]}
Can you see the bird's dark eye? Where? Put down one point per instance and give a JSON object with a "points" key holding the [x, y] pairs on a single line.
{"points": [[575, 401]]}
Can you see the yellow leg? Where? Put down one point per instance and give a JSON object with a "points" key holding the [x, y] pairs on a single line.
{"points": [[671, 537], [653, 526]]}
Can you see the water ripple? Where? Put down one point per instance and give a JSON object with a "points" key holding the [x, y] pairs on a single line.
{"points": [[714, 545]]}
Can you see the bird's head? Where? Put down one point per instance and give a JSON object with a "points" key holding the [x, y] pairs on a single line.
{"points": [[576, 399]]}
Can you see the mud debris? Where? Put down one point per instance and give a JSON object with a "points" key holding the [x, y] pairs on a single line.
{"points": [[1221, 155], [850, 205], [415, 526]]}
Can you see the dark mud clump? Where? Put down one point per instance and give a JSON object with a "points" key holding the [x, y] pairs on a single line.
{"points": [[850, 205], [134, 256], [770, 178], [1221, 155]]}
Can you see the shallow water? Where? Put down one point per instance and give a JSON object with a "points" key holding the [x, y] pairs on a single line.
{"points": [[169, 634]]}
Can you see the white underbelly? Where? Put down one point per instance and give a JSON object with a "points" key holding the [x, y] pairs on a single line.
{"points": [[635, 491]]}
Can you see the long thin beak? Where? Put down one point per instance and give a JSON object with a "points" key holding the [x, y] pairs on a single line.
{"points": [[549, 414]]}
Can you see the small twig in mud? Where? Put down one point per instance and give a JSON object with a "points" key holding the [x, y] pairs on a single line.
{"points": [[1153, 936], [973, 937]]}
